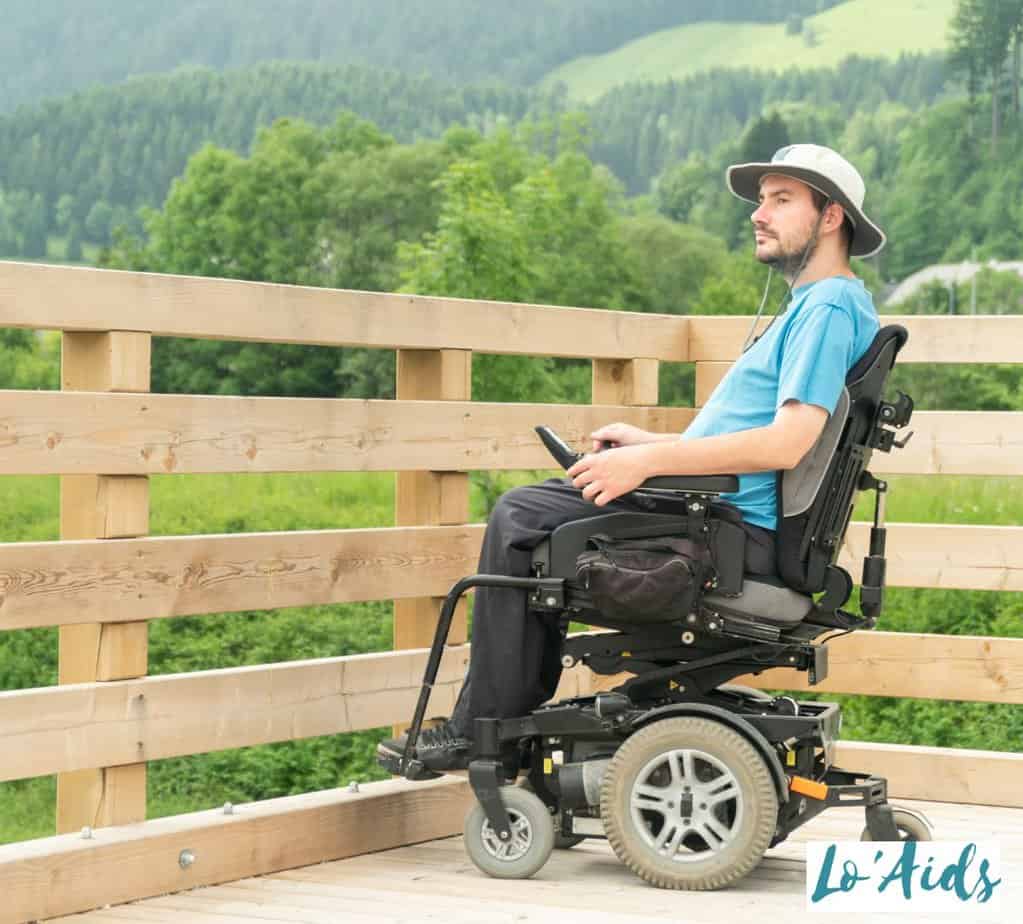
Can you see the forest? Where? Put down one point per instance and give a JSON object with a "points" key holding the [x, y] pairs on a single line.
{"points": [[58, 47], [82, 166]]}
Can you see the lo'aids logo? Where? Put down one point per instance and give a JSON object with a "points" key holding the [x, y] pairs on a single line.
{"points": [[903, 876]]}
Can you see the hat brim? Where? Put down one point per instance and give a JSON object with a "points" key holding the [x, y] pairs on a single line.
{"points": [[744, 182]]}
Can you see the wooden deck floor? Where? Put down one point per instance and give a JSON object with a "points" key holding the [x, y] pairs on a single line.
{"points": [[436, 881]]}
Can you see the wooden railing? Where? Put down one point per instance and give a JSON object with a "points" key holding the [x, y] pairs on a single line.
{"points": [[104, 434]]}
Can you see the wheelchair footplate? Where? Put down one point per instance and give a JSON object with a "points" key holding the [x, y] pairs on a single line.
{"points": [[414, 769]]}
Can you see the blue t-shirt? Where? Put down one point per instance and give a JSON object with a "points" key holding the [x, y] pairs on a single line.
{"points": [[805, 355]]}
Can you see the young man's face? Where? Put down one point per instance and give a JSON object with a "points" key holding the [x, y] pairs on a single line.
{"points": [[784, 221]]}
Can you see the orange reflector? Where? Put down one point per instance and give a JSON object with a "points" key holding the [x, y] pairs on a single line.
{"points": [[809, 788]]}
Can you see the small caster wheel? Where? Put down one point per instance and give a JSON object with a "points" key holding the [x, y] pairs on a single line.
{"points": [[530, 844], [911, 826]]}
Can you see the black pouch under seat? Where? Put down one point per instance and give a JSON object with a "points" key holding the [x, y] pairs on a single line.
{"points": [[727, 542], [655, 579]]}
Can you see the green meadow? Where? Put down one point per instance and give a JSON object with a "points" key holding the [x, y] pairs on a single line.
{"points": [[868, 28]]}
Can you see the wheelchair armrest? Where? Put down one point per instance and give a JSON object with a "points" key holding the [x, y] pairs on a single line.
{"points": [[692, 484]]}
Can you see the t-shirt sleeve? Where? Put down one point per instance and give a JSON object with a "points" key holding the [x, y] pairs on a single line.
{"points": [[816, 356]]}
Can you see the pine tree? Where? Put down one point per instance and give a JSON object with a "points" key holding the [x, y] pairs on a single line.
{"points": [[980, 34]]}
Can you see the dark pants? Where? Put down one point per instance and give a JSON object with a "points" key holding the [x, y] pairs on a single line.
{"points": [[515, 663]]}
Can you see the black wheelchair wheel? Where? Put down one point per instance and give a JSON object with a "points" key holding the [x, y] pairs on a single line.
{"points": [[688, 803], [530, 844]]}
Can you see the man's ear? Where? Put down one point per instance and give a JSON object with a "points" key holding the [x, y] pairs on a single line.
{"points": [[834, 217]]}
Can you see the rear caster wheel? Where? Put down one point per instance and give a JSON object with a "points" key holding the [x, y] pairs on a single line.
{"points": [[911, 827], [530, 844], [688, 803]]}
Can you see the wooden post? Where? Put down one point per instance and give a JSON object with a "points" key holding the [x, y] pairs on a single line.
{"points": [[103, 507], [430, 498], [629, 382]]}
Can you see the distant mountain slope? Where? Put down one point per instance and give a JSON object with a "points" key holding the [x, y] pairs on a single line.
{"points": [[874, 28], [92, 159], [55, 47]]}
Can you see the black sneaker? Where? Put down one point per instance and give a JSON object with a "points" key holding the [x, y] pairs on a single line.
{"points": [[443, 747]]}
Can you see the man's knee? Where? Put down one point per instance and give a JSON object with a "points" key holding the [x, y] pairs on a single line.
{"points": [[524, 497], [525, 507]]}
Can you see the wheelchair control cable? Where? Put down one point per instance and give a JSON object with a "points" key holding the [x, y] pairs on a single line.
{"points": [[811, 246]]}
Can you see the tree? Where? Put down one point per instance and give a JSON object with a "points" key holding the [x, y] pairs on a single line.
{"points": [[764, 137], [979, 35], [519, 226], [682, 187], [671, 262], [64, 212], [98, 222], [33, 228], [308, 206], [73, 253]]}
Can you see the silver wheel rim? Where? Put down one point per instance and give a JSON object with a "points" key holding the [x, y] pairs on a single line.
{"points": [[686, 792], [516, 846]]}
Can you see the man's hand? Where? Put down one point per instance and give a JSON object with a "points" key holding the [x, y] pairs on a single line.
{"points": [[621, 434], [606, 475]]}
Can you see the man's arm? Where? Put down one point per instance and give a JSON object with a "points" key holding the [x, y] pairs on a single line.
{"points": [[780, 445]]}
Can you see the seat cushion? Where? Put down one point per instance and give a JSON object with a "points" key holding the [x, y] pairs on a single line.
{"points": [[765, 600]]}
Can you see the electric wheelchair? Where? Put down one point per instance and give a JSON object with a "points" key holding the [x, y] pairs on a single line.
{"points": [[690, 778]]}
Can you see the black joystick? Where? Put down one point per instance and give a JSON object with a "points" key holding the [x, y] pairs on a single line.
{"points": [[566, 457], [563, 454]]}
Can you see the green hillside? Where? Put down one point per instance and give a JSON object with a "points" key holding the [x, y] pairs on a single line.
{"points": [[60, 46], [875, 28]]}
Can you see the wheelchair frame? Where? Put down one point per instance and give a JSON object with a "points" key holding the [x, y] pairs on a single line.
{"points": [[564, 748]]}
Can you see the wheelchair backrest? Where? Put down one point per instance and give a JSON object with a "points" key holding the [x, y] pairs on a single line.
{"points": [[816, 498]]}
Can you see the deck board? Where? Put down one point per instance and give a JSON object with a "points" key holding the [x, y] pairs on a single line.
{"points": [[435, 881]]}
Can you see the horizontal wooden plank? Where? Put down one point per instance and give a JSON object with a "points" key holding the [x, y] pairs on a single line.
{"points": [[80, 298], [932, 339], [126, 580], [922, 666], [139, 434], [962, 775], [126, 434], [942, 556], [66, 874], [81, 726], [75, 727], [957, 443]]}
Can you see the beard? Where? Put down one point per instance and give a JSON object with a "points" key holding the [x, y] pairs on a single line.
{"points": [[789, 261]]}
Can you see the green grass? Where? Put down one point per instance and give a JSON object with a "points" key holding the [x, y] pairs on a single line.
{"points": [[948, 499], [56, 252], [876, 28]]}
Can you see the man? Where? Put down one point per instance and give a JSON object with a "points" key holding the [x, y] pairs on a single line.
{"points": [[764, 416]]}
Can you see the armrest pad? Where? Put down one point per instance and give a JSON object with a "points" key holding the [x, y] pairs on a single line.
{"points": [[692, 484]]}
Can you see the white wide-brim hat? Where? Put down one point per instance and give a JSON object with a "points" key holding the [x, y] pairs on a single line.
{"points": [[827, 172]]}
